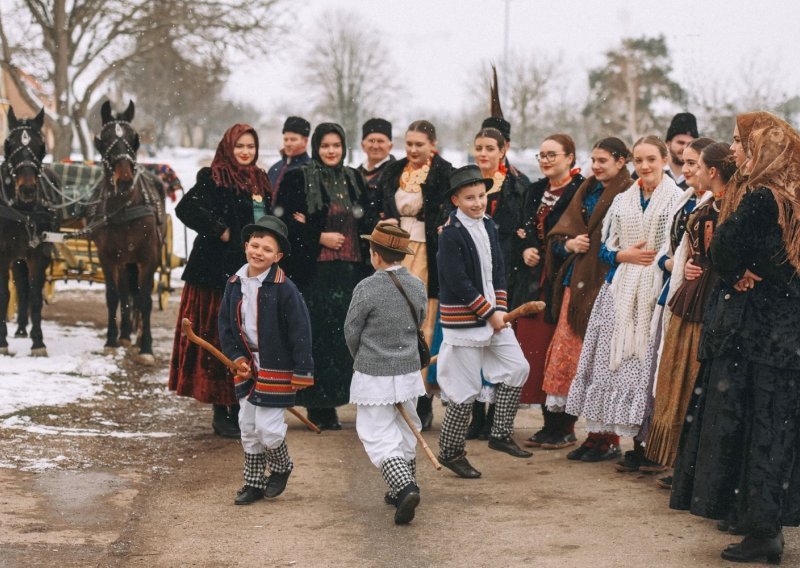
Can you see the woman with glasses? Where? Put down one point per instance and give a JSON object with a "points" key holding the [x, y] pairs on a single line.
{"points": [[543, 204]]}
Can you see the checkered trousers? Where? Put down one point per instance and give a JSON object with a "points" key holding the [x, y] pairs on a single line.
{"points": [[505, 410], [452, 438], [397, 474], [278, 459], [254, 467]]}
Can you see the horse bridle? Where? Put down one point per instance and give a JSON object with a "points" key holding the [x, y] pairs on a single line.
{"points": [[129, 154], [25, 140]]}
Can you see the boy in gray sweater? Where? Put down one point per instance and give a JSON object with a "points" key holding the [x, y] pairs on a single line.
{"points": [[381, 334]]}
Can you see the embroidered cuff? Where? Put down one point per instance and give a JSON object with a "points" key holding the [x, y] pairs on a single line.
{"points": [[662, 262], [302, 380], [501, 302], [482, 308]]}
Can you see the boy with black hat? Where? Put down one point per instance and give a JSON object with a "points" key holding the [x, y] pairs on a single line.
{"points": [[682, 130], [472, 296], [381, 333], [293, 153], [264, 328]]}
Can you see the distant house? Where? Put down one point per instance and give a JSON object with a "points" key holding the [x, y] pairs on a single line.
{"points": [[9, 96]]}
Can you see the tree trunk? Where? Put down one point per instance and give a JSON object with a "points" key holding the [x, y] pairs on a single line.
{"points": [[63, 130]]}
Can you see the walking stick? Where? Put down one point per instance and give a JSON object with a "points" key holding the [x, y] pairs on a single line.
{"points": [[418, 436], [194, 338], [524, 310]]}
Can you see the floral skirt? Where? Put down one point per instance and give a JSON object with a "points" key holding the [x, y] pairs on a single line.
{"points": [[561, 363]]}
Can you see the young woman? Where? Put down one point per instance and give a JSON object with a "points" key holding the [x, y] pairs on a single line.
{"points": [[610, 387], [504, 205], [544, 203], [230, 194], [413, 196], [691, 282], [324, 205], [577, 239], [747, 451]]}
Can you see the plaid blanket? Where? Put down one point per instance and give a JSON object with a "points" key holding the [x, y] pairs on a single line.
{"points": [[80, 184]]}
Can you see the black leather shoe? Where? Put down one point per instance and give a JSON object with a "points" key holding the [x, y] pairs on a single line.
{"points": [[407, 501], [601, 452], [558, 441], [536, 440], [580, 451], [753, 549], [276, 483], [390, 499], [248, 494], [509, 446], [460, 466], [630, 462]]}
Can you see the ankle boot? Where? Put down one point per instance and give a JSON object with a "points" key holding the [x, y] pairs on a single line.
{"points": [[753, 549], [425, 412], [222, 425], [478, 420], [487, 425]]}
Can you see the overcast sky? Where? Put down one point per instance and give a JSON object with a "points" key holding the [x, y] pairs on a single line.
{"points": [[436, 44]]}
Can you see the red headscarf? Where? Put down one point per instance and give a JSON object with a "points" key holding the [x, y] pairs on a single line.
{"points": [[227, 172]]}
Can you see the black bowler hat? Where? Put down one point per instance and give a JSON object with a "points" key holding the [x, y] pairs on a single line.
{"points": [[500, 124], [467, 175], [377, 126], [298, 125], [682, 123], [273, 226]]}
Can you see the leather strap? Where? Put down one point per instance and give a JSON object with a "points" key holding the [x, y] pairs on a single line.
{"points": [[396, 281]]}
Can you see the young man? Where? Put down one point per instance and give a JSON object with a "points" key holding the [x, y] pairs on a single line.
{"points": [[472, 295], [293, 153], [264, 328], [682, 130], [381, 333]]}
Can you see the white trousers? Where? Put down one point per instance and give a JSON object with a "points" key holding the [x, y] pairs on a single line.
{"points": [[384, 433], [459, 368], [262, 428]]}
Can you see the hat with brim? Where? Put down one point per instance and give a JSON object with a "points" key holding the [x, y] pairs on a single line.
{"points": [[274, 227], [467, 175], [390, 237]]}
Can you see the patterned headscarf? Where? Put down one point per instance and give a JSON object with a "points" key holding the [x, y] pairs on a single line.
{"points": [[774, 150], [227, 172]]}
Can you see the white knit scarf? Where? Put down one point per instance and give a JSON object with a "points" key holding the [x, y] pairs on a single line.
{"points": [[636, 288]]}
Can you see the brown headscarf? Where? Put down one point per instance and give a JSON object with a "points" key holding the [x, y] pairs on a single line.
{"points": [[589, 272], [774, 151], [227, 172]]}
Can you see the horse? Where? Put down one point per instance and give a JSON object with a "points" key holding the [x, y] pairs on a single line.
{"points": [[127, 229], [27, 210]]}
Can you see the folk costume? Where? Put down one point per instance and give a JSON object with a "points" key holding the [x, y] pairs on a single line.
{"points": [[472, 288], [610, 387], [739, 454], [330, 199], [279, 169], [382, 337], [225, 197], [575, 281], [264, 322], [373, 176]]}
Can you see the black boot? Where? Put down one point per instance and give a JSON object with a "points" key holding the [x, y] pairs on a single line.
{"points": [[325, 418], [753, 549], [222, 424], [487, 425], [478, 420], [425, 412]]}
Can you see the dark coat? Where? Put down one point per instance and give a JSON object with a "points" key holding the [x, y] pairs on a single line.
{"points": [[291, 199], [434, 207], [461, 293], [277, 172], [284, 340], [208, 210], [527, 282]]}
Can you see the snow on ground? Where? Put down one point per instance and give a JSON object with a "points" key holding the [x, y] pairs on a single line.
{"points": [[75, 369]]}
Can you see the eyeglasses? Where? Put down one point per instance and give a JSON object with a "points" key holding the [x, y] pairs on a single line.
{"points": [[549, 156]]}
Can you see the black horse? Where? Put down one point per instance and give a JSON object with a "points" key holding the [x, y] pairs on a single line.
{"points": [[128, 230], [27, 210]]}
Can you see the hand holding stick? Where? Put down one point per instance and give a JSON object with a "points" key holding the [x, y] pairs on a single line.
{"points": [[194, 338]]}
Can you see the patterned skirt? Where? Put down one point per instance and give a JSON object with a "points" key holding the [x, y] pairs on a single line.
{"points": [[561, 363], [193, 371], [612, 402]]}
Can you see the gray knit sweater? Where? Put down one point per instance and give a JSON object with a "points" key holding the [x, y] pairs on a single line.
{"points": [[379, 329]]}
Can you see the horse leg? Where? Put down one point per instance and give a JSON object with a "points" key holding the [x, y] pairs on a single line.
{"points": [[144, 305], [126, 301], [111, 273], [5, 296], [38, 265], [20, 271]]}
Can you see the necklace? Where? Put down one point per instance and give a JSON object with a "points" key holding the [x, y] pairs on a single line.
{"points": [[411, 180], [498, 179]]}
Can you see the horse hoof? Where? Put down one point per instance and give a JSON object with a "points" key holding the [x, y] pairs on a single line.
{"points": [[145, 359], [125, 343], [5, 351], [39, 352], [21, 333]]}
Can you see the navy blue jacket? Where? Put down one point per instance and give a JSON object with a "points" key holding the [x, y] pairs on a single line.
{"points": [[284, 340], [461, 294], [279, 169]]}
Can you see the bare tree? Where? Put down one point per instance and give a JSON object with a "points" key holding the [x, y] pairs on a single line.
{"points": [[348, 72], [84, 42]]}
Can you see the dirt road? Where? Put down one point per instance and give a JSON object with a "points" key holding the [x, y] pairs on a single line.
{"points": [[136, 478]]}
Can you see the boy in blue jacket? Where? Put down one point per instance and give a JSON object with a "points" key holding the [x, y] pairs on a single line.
{"points": [[264, 328], [472, 296]]}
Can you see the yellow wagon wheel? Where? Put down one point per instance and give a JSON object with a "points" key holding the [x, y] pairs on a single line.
{"points": [[165, 272], [12, 298]]}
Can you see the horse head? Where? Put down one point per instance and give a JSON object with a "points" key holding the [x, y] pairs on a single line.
{"points": [[118, 143], [24, 151]]}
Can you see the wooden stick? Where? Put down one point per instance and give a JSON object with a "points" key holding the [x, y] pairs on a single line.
{"points": [[418, 436], [194, 338]]}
